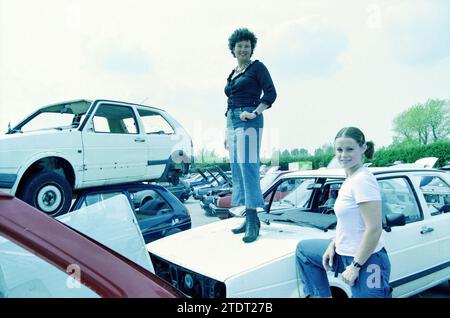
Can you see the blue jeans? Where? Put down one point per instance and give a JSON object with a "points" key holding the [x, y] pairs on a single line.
{"points": [[244, 140], [373, 280]]}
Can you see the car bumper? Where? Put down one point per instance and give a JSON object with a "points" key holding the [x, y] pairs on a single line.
{"points": [[7, 180], [6, 190], [220, 212]]}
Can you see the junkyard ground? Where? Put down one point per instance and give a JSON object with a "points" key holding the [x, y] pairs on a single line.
{"points": [[199, 218]]}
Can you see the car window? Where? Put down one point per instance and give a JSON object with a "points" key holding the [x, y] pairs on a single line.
{"points": [[327, 197], [48, 120], [95, 198], [115, 119], [148, 204], [109, 219], [61, 116], [398, 197], [154, 123], [435, 191], [291, 193], [25, 275]]}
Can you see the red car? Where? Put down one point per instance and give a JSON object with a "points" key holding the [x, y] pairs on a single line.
{"points": [[26, 233], [222, 202]]}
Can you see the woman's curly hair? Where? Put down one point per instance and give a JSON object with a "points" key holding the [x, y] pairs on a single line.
{"points": [[242, 34]]}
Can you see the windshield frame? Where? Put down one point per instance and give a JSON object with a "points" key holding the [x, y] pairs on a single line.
{"points": [[313, 201], [42, 110]]}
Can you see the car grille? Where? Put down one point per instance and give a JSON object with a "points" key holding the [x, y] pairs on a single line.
{"points": [[190, 283]]}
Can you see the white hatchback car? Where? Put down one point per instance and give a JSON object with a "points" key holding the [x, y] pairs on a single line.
{"points": [[78, 144], [210, 261]]}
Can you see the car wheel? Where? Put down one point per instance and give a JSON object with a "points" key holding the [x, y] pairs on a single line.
{"points": [[184, 197], [338, 293], [48, 192], [174, 171]]}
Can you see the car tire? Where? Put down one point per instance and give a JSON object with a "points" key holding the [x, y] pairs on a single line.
{"points": [[338, 293], [49, 192], [173, 172], [184, 197]]}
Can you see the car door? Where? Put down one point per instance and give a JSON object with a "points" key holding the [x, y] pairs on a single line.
{"points": [[434, 192], [411, 250], [155, 215], [115, 149], [161, 139]]}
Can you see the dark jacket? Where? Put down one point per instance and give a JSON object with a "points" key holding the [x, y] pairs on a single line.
{"points": [[245, 89]]}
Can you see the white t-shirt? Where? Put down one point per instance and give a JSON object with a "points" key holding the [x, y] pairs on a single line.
{"points": [[360, 187]]}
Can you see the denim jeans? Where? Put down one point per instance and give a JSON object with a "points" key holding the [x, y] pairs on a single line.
{"points": [[372, 282], [244, 140]]}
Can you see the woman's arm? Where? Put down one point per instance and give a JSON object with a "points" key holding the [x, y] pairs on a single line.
{"points": [[327, 257], [247, 115], [371, 214]]}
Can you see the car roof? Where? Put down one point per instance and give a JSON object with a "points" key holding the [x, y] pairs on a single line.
{"points": [[127, 103], [340, 173], [124, 186], [83, 100]]}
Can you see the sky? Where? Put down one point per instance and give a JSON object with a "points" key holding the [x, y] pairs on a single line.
{"points": [[334, 63]]}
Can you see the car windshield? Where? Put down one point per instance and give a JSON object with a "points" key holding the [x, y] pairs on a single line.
{"points": [[268, 179], [62, 116], [294, 193], [304, 202]]}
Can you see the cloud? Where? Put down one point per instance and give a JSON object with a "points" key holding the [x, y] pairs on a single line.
{"points": [[417, 32], [122, 62], [306, 49]]}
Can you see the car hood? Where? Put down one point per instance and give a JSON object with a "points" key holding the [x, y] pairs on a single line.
{"points": [[36, 139], [214, 251]]}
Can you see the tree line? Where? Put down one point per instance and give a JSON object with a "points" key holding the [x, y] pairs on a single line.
{"points": [[423, 130]]}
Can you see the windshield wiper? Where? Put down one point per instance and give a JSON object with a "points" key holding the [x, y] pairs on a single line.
{"points": [[13, 131], [66, 127], [288, 202], [302, 223]]}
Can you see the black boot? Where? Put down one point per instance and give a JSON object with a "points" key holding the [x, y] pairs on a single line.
{"points": [[252, 226], [241, 229]]}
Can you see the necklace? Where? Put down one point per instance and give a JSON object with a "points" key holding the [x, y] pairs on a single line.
{"points": [[240, 69]]}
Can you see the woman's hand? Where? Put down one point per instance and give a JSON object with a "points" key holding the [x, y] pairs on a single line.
{"points": [[246, 115], [350, 274], [327, 258]]}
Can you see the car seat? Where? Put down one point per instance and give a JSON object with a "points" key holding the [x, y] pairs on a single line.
{"points": [[151, 207]]}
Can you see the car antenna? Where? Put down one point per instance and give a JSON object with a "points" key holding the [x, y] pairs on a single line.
{"points": [[143, 100]]}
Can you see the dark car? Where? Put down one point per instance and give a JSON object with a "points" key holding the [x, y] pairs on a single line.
{"points": [[39, 256], [181, 190], [221, 182], [158, 212]]}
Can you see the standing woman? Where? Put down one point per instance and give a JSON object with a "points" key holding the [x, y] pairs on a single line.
{"points": [[250, 91], [357, 251]]}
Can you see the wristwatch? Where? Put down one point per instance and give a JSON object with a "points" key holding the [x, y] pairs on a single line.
{"points": [[356, 264], [255, 112]]}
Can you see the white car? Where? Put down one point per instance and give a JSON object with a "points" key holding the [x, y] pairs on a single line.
{"points": [[79, 144], [210, 261]]}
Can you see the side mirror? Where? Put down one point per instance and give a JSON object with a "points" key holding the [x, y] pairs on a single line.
{"points": [[394, 219], [445, 208]]}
